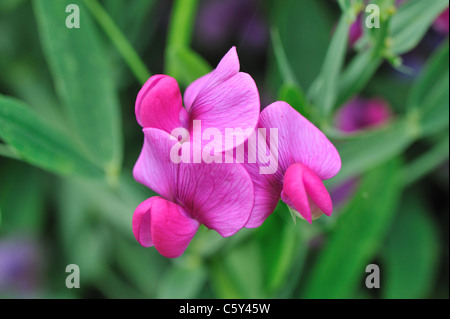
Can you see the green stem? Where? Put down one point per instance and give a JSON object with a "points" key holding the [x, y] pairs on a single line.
{"points": [[116, 36], [282, 61], [182, 23]]}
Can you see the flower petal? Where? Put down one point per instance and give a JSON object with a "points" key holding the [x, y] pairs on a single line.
{"points": [[302, 185], [224, 98], [159, 103], [299, 141], [171, 228], [267, 180], [218, 195], [154, 167], [227, 67], [141, 223]]}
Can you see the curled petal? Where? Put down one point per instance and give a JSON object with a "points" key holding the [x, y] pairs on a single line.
{"points": [[301, 188], [299, 141], [171, 228], [159, 103], [165, 225], [141, 223]]}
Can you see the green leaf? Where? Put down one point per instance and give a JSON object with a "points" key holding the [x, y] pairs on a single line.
{"points": [[185, 65], [280, 251], [304, 27], [182, 23], [325, 86], [239, 274], [427, 161], [294, 96], [369, 149], [19, 181], [116, 36], [412, 21], [357, 74], [357, 236], [83, 81], [39, 143], [182, 281], [411, 253], [429, 98]]}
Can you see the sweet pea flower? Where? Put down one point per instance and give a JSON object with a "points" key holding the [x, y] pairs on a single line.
{"points": [[305, 158], [223, 98], [362, 113], [218, 195]]}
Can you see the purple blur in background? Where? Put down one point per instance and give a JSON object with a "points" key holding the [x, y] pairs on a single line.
{"points": [[20, 267]]}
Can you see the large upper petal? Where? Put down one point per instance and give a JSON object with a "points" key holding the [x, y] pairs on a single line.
{"points": [[165, 225], [159, 103], [218, 195], [299, 141], [224, 98], [154, 167]]}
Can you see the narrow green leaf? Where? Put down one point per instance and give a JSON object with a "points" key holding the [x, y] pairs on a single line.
{"points": [[410, 255], [412, 21], [182, 23], [429, 97], [83, 81], [325, 87], [357, 237], [428, 161], [369, 149], [304, 27], [128, 53], [39, 143]]}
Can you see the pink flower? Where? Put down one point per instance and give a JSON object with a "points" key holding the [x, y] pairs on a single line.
{"points": [[441, 22], [218, 195], [362, 113], [305, 158], [223, 98]]}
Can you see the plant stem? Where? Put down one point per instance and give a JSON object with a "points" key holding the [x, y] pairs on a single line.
{"points": [[181, 23], [116, 36]]}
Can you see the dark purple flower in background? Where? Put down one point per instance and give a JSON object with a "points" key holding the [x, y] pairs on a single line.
{"points": [[356, 115], [20, 267], [232, 21], [362, 113]]}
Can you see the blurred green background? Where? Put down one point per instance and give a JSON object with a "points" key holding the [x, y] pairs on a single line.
{"points": [[69, 140]]}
